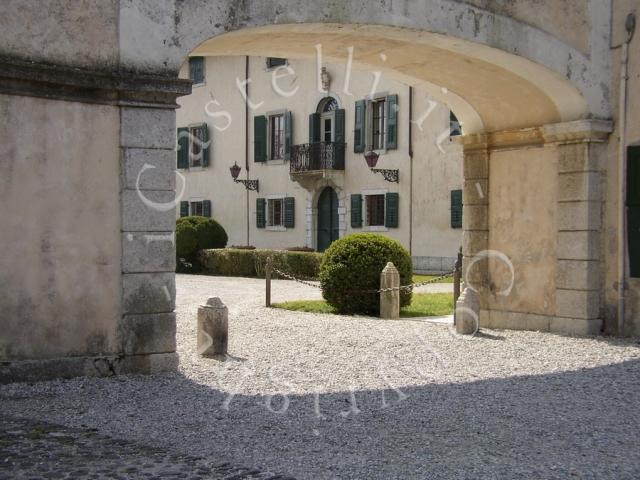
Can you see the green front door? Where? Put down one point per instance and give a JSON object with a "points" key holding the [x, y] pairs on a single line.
{"points": [[327, 218]]}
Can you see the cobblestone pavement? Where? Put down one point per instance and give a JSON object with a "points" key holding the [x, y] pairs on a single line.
{"points": [[37, 450]]}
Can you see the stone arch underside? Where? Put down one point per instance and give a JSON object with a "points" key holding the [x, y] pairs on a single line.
{"points": [[496, 72]]}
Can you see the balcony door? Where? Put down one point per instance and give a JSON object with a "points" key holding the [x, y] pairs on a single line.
{"points": [[327, 126], [327, 218]]}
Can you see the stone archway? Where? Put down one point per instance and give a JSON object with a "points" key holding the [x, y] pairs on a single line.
{"points": [[527, 93]]}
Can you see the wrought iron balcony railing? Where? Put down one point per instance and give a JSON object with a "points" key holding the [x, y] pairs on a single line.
{"points": [[309, 157]]}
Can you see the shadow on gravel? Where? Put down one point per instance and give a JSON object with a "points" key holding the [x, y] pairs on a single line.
{"points": [[578, 424]]}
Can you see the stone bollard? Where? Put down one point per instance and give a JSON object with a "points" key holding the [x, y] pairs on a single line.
{"points": [[467, 312], [390, 301], [213, 328]]}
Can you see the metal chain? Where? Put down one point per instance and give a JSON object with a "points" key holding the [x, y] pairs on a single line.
{"points": [[381, 290], [291, 277]]}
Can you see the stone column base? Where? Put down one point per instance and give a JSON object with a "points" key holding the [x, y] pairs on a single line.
{"points": [[102, 366], [506, 320]]}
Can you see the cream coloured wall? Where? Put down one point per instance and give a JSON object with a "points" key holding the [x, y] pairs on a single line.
{"points": [[60, 250], [437, 163]]}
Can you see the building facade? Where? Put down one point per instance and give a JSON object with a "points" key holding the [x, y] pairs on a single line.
{"points": [[301, 137]]}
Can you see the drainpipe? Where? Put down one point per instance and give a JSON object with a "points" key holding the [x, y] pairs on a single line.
{"points": [[622, 172], [410, 170], [246, 137]]}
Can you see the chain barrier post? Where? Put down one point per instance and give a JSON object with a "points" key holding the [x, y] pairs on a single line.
{"points": [[267, 276], [390, 292], [457, 275]]}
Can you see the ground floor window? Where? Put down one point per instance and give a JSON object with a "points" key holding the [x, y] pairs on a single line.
{"points": [[196, 208], [275, 216], [374, 205]]}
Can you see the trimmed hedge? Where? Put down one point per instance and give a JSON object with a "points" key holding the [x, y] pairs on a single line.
{"points": [[251, 263], [194, 234], [354, 263]]}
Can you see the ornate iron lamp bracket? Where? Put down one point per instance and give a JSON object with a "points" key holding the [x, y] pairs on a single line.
{"points": [[248, 184], [388, 174]]}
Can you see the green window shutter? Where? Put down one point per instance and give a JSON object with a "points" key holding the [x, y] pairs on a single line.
{"points": [[339, 138], [391, 212], [196, 69], [289, 212], [633, 209], [314, 127], [456, 208], [288, 134], [359, 127], [184, 209], [206, 208], [392, 122], [182, 153], [205, 146], [356, 210], [260, 138], [261, 218]]}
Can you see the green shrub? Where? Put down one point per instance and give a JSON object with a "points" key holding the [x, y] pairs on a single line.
{"points": [[229, 262], [251, 263], [354, 263], [194, 234]]}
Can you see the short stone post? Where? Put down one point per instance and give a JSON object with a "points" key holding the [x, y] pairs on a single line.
{"points": [[457, 276], [213, 328], [390, 301], [467, 312], [267, 277]]}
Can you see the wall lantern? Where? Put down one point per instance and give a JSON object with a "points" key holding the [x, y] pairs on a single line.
{"points": [[248, 184], [389, 175]]}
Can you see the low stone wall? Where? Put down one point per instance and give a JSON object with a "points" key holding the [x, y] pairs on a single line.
{"points": [[430, 265]]}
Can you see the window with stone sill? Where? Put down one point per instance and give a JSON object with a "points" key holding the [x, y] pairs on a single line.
{"points": [[374, 210], [275, 212]]}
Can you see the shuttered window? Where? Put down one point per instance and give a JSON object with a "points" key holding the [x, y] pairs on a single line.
{"points": [[288, 135], [374, 205], [392, 122], [196, 69], [633, 209], [456, 208], [199, 145], [314, 127], [196, 209], [184, 209], [289, 212], [260, 138], [275, 207], [359, 127], [356, 211], [276, 137], [378, 124], [260, 212], [182, 151], [339, 138], [391, 216]]}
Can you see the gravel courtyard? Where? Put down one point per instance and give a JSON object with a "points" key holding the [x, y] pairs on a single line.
{"points": [[320, 396]]}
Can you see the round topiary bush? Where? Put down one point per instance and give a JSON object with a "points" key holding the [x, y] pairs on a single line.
{"points": [[194, 234], [354, 263]]}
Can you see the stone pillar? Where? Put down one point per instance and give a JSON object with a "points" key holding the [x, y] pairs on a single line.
{"points": [[213, 328], [147, 142], [475, 219], [390, 301], [582, 155]]}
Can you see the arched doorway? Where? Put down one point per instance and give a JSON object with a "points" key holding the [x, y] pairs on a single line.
{"points": [[327, 218]]}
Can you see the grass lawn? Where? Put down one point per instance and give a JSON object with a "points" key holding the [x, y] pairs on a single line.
{"points": [[422, 278], [422, 305]]}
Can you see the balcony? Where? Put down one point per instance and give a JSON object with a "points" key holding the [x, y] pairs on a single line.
{"points": [[316, 157]]}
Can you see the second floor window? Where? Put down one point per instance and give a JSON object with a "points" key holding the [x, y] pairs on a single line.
{"points": [[196, 144], [275, 216], [377, 132], [374, 210], [276, 137]]}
